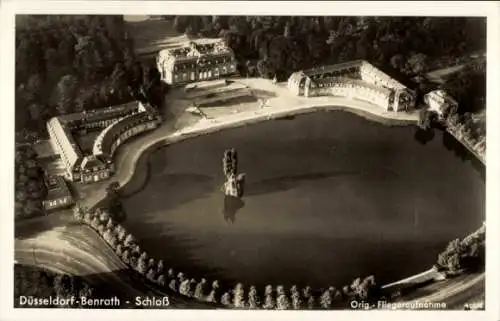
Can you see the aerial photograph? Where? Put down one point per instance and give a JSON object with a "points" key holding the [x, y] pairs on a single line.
{"points": [[250, 162]]}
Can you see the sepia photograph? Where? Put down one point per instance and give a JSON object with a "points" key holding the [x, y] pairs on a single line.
{"points": [[320, 162]]}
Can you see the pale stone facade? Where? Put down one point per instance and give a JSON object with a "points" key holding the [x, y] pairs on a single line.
{"points": [[356, 79], [196, 61], [98, 165], [440, 102]]}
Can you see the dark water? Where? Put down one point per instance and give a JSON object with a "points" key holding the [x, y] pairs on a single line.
{"points": [[328, 197]]}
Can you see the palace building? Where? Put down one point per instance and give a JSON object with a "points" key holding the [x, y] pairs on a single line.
{"points": [[354, 79], [58, 194], [196, 61], [97, 165], [440, 102]]}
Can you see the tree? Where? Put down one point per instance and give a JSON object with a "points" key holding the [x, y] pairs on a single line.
{"points": [[151, 275], [230, 162], [110, 225], [128, 240], [239, 296], [309, 297], [184, 287], [104, 216], [33, 88], [119, 250], [453, 263], [265, 69], [118, 79], [141, 265], [87, 218], [326, 299], [200, 289], [160, 268], [253, 298], [226, 299], [417, 63], [120, 233], [65, 93], [161, 280], [368, 290], [269, 302], [398, 62], [95, 223], [282, 302], [32, 208], [107, 234], [173, 285], [212, 296], [296, 300], [101, 228]]}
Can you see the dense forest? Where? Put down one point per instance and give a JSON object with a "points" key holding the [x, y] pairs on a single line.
{"points": [[67, 63], [30, 189], [281, 44], [41, 284], [465, 254]]}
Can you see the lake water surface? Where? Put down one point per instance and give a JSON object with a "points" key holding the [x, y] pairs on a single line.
{"points": [[328, 197]]}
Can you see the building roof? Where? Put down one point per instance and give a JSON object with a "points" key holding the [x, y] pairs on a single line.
{"points": [[356, 82], [101, 114], [403, 80], [104, 141], [62, 126], [193, 51], [296, 76], [56, 187], [332, 68], [394, 78], [67, 143], [444, 95], [90, 161]]}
